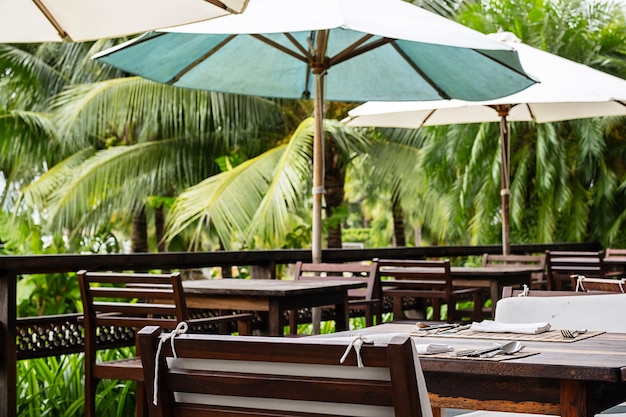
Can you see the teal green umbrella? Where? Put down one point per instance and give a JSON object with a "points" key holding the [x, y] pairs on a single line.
{"points": [[344, 50]]}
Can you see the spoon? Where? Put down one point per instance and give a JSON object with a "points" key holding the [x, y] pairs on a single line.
{"points": [[508, 349]]}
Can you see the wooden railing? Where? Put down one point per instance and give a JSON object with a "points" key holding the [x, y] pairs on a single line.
{"points": [[262, 264]]}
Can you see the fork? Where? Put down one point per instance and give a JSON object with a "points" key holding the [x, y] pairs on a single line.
{"points": [[571, 334]]}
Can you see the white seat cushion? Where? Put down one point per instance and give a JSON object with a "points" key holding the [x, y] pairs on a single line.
{"points": [[602, 312]]}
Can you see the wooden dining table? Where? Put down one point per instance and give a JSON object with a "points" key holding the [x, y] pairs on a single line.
{"points": [[570, 379], [272, 296]]}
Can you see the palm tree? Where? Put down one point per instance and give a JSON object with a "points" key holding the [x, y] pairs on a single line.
{"points": [[565, 172], [257, 203], [136, 139]]}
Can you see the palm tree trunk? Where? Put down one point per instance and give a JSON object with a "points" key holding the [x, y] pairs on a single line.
{"points": [[334, 183], [139, 233], [159, 228], [399, 235]]}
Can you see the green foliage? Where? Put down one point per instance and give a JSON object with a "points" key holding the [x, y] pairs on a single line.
{"points": [[54, 386], [356, 235], [41, 295]]}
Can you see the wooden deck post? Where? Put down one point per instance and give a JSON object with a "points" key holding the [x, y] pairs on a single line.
{"points": [[8, 357]]}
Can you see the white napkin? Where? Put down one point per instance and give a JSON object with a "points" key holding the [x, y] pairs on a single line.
{"points": [[431, 348], [491, 326]]}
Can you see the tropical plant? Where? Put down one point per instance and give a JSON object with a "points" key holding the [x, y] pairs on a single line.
{"points": [[566, 177], [257, 203], [54, 386]]}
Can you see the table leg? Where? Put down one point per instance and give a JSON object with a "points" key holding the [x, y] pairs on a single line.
{"points": [[576, 399], [342, 315], [316, 319], [496, 294], [275, 318]]}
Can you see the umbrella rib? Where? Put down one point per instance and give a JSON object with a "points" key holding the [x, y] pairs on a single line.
{"points": [[298, 45], [195, 63], [417, 69], [621, 102], [221, 5], [281, 48], [354, 50], [62, 33]]}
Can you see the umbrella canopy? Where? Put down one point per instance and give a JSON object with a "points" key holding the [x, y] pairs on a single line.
{"points": [[347, 50], [33, 21], [567, 90]]}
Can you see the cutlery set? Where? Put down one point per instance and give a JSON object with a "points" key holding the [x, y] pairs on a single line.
{"points": [[441, 328], [506, 349], [571, 334]]}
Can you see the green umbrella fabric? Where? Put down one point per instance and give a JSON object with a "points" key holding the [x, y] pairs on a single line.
{"points": [[340, 50]]}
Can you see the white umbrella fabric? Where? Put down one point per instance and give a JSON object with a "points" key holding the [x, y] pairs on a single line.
{"points": [[566, 90], [347, 50], [34, 21]]}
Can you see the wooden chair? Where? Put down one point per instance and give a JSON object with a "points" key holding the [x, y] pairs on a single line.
{"points": [[261, 376], [364, 301], [584, 284], [538, 279], [113, 300], [562, 265], [428, 280], [614, 252]]}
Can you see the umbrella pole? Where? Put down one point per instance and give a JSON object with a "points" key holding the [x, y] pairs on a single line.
{"points": [[318, 170], [318, 187], [505, 191]]}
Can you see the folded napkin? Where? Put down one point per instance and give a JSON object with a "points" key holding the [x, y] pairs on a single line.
{"points": [[491, 326], [432, 348]]}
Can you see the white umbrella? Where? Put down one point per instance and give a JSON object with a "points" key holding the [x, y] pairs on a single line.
{"points": [[566, 90], [34, 21]]}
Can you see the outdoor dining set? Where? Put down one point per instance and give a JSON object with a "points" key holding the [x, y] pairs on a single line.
{"points": [[567, 351], [539, 333]]}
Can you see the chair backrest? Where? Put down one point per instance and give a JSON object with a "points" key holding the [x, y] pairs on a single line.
{"points": [[614, 252], [368, 274], [435, 274], [563, 264], [254, 376], [538, 279], [565, 310], [130, 300]]}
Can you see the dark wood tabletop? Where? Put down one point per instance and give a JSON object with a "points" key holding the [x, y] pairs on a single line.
{"points": [[264, 287], [571, 379], [272, 296]]}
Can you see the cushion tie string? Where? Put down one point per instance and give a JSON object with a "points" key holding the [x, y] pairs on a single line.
{"points": [[355, 343], [181, 328], [579, 283], [524, 292]]}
